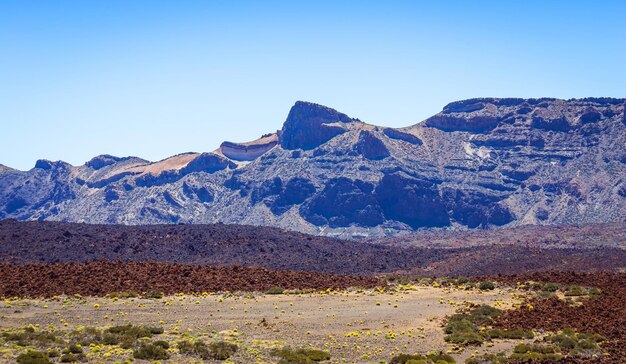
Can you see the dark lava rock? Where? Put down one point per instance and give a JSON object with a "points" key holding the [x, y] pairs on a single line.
{"points": [[371, 147], [306, 127], [343, 202], [414, 202]]}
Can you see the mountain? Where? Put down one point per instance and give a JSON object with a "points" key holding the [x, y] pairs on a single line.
{"points": [[480, 163]]}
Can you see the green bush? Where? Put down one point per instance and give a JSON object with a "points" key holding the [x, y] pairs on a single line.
{"points": [[275, 290], [71, 358], [574, 291], [577, 344], [33, 357], [202, 350], [127, 294], [86, 336], [550, 287], [28, 336], [499, 358], [222, 350], [153, 294], [434, 358], [151, 352], [463, 328], [487, 286], [288, 355], [510, 334], [136, 332], [465, 338], [162, 343], [73, 349], [185, 347]]}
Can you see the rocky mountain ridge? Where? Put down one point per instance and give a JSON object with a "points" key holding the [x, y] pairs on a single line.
{"points": [[479, 163]]}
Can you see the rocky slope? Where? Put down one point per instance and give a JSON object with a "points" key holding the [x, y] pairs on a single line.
{"points": [[479, 163]]}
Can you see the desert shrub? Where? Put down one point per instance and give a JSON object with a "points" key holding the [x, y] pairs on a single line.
{"points": [[71, 358], [162, 343], [510, 334], [594, 292], [126, 336], [126, 294], [463, 328], [574, 291], [222, 350], [151, 352], [534, 348], [109, 339], [73, 349], [431, 358], [135, 331], [153, 294], [550, 287], [545, 295], [86, 336], [576, 344], [275, 290], [456, 325], [487, 286], [499, 358], [462, 280], [185, 347], [33, 357], [29, 336], [288, 355], [202, 350], [465, 338]]}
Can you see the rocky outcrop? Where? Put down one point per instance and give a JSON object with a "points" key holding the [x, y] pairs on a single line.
{"points": [[308, 126], [102, 161], [342, 203], [399, 135], [248, 151], [452, 122], [370, 146], [479, 164], [205, 162], [412, 201]]}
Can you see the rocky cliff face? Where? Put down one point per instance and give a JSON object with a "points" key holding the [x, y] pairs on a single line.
{"points": [[479, 163]]}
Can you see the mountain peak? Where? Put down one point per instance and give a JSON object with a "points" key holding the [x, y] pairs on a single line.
{"points": [[307, 125]]}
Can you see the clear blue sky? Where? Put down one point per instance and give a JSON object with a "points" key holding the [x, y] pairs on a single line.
{"points": [[157, 78]]}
